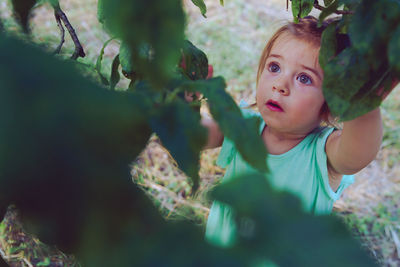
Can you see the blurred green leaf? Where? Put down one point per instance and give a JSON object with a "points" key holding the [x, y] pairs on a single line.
{"points": [[394, 52], [344, 75], [100, 11], [179, 129], [54, 3], [328, 45], [243, 132], [154, 36], [286, 236], [201, 5], [22, 9], [125, 57], [383, 18], [354, 79], [129, 69], [194, 62], [75, 141]]}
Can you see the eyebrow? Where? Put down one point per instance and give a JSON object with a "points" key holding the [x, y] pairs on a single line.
{"points": [[305, 67], [274, 55]]}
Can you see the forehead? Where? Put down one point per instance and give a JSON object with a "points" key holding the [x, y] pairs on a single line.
{"points": [[296, 49]]}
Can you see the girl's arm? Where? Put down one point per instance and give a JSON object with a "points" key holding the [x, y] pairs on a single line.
{"points": [[351, 149], [215, 136]]}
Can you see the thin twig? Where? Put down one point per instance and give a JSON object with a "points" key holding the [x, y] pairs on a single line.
{"points": [[78, 47], [62, 31], [339, 12]]}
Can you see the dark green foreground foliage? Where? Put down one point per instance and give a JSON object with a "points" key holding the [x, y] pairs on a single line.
{"points": [[66, 148], [66, 145]]}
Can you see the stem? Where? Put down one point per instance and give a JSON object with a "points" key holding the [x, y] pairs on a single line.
{"points": [[78, 47], [339, 12]]}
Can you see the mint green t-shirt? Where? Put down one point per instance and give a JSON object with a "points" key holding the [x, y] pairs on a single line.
{"points": [[302, 171]]}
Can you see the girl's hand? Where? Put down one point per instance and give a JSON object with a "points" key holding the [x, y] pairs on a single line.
{"points": [[189, 96]]}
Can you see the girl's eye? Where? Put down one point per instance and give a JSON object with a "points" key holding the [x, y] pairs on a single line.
{"points": [[304, 79], [273, 67]]}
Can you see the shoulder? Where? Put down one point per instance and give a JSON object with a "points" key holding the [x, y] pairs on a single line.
{"points": [[320, 135]]}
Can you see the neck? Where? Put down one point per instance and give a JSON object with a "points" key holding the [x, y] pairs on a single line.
{"points": [[278, 142]]}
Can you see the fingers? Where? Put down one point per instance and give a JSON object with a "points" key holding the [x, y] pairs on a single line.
{"points": [[189, 96]]}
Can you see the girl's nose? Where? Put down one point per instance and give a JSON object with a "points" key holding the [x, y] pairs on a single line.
{"points": [[283, 90]]}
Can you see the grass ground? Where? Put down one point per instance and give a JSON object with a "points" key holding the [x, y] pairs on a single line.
{"points": [[233, 37]]}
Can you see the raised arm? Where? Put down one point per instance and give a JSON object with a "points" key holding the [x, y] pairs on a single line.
{"points": [[351, 149]]}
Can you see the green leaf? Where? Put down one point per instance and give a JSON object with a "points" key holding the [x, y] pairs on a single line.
{"points": [[114, 79], [54, 3], [22, 9], [383, 18], [328, 45], [125, 57], [261, 223], [179, 129], [228, 116], [344, 75], [202, 6], [100, 11], [76, 145], [99, 60], [329, 10], [155, 34], [328, 2], [394, 51], [195, 62], [221, 2], [301, 8]]}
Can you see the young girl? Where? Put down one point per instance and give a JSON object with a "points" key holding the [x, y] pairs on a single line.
{"points": [[315, 163]]}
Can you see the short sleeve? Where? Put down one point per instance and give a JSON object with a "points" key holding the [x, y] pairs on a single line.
{"points": [[322, 162]]}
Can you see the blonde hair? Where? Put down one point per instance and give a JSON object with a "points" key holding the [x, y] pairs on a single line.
{"points": [[308, 30]]}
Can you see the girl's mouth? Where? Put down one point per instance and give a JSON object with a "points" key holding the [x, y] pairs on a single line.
{"points": [[274, 106]]}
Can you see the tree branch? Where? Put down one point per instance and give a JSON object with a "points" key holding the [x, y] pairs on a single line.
{"points": [[339, 12], [60, 16]]}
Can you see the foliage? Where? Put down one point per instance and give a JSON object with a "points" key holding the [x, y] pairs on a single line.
{"points": [[357, 67], [66, 143]]}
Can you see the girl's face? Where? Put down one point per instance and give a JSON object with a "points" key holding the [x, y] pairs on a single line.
{"points": [[289, 95]]}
